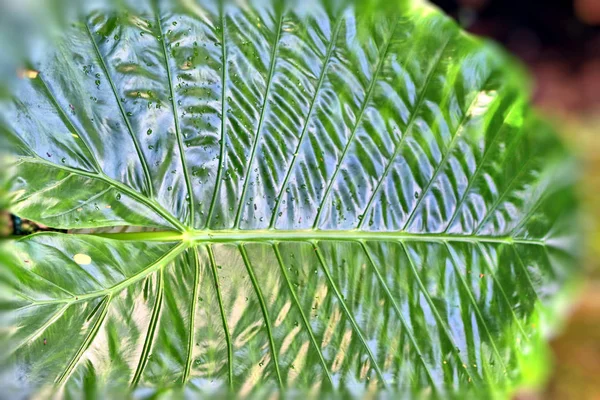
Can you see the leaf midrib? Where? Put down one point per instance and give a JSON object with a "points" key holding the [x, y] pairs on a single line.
{"points": [[194, 238], [275, 235]]}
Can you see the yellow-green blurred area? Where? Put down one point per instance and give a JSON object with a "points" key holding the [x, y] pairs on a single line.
{"points": [[577, 348], [559, 41]]}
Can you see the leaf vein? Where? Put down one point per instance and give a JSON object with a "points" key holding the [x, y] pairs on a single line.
{"points": [[527, 275], [144, 357], [436, 314], [389, 295], [329, 53], [55, 317], [138, 149], [157, 208], [353, 322], [186, 175], [68, 121], [223, 116], [477, 171], [88, 201], [158, 264], [489, 264], [260, 121], [85, 344], [265, 313], [46, 189], [408, 129], [361, 113], [213, 266], [496, 204], [445, 158], [313, 340], [474, 304], [192, 316]]}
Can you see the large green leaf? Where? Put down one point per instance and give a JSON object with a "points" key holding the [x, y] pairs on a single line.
{"points": [[341, 201]]}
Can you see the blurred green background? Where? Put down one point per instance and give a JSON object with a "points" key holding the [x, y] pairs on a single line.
{"points": [[559, 41]]}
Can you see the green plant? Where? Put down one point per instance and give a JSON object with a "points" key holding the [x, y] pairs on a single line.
{"points": [[317, 200]]}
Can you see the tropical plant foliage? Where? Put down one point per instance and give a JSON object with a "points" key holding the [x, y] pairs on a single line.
{"points": [[317, 200]]}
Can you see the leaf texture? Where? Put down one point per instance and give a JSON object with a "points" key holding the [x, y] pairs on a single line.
{"points": [[341, 203]]}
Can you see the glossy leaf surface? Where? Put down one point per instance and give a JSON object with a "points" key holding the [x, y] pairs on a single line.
{"points": [[340, 203]]}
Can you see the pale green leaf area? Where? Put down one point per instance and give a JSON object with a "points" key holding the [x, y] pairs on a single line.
{"points": [[334, 204]]}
